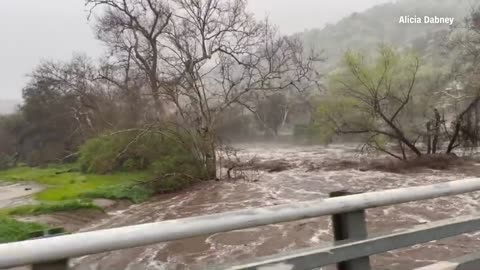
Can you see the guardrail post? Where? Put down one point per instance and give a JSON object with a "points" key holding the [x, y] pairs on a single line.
{"points": [[351, 226], [55, 265]]}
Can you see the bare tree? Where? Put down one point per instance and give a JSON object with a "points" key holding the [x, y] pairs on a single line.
{"points": [[202, 56], [76, 81], [132, 30]]}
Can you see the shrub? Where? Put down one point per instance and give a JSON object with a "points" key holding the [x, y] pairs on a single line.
{"points": [[133, 164], [99, 155], [12, 230], [173, 164], [125, 151], [175, 172]]}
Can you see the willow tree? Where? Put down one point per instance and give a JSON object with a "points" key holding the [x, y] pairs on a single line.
{"points": [[378, 100], [463, 96], [200, 57]]}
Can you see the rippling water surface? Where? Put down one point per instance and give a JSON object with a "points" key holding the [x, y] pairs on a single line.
{"points": [[297, 184]]}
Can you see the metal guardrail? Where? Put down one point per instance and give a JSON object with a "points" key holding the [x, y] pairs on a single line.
{"points": [[347, 251], [469, 262], [347, 210]]}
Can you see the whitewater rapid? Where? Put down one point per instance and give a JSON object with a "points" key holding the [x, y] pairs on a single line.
{"points": [[300, 183]]}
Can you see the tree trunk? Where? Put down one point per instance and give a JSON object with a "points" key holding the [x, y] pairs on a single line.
{"points": [[458, 125], [477, 128], [285, 116], [211, 163], [209, 155], [436, 133], [400, 135], [429, 138], [404, 155], [453, 140]]}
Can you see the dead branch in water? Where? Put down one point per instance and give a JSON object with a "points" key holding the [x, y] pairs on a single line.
{"points": [[250, 169]]}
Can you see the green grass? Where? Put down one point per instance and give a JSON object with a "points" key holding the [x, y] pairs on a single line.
{"points": [[134, 193], [61, 185], [47, 208], [12, 230], [65, 190]]}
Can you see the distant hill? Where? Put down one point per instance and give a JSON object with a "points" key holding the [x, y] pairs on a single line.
{"points": [[8, 106], [365, 30]]}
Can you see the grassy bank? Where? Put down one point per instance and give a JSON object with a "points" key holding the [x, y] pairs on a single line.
{"points": [[65, 189], [12, 230], [47, 208], [62, 183]]}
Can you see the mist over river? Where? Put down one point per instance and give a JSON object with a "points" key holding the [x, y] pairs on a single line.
{"points": [[297, 184]]}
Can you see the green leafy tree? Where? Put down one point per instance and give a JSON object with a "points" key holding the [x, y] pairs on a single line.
{"points": [[374, 97]]}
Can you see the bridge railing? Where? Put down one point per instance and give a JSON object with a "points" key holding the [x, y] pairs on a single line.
{"points": [[350, 251]]}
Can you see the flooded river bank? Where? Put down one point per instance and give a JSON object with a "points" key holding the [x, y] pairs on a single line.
{"points": [[300, 183]]}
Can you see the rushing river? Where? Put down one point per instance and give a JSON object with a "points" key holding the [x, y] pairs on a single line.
{"points": [[298, 184]]}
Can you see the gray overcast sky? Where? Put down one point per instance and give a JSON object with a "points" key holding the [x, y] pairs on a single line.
{"points": [[32, 30]]}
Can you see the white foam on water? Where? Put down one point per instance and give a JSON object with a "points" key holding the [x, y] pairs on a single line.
{"points": [[298, 184]]}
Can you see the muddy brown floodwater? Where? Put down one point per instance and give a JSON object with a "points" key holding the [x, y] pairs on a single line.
{"points": [[297, 184]]}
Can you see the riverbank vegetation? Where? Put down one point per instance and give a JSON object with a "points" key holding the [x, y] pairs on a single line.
{"points": [[181, 79], [398, 103], [65, 189], [12, 230], [47, 208], [61, 185], [157, 101]]}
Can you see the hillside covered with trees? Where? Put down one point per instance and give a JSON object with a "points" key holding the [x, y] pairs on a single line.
{"points": [[380, 24]]}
